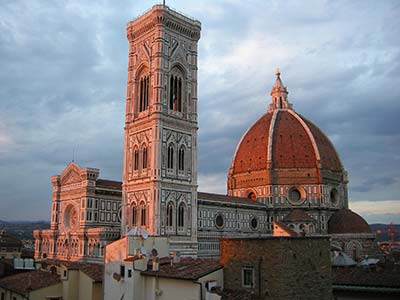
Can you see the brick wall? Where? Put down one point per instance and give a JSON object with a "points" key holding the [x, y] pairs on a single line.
{"points": [[284, 267]]}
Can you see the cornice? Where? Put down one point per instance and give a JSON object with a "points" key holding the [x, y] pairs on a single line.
{"points": [[160, 15]]}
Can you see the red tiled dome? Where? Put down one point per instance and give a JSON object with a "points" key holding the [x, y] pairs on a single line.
{"points": [[286, 140], [346, 221], [282, 148]]}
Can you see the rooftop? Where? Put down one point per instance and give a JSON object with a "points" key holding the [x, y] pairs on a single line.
{"points": [[186, 269], [29, 281]]}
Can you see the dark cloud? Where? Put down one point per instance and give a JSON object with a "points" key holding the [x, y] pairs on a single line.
{"points": [[63, 76]]}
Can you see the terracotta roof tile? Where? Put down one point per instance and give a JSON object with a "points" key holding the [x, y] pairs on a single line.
{"points": [[109, 183], [94, 271], [360, 277], [297, 215], [29, 281], [187, 269], [346, 221]]}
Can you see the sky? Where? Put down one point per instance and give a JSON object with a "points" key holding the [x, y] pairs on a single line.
{"points": [[63, 71]]}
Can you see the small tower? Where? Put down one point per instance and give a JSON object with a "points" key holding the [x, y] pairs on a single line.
{"points": [[160, 151], [279, 94]]}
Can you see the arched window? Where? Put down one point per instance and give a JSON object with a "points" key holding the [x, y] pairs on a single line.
{"points": [[144, 161], [181, 215], [170, 213], [175, 88], [134, 215], [181, 159], [170, 161], [143, 215], [144, 87], [135, 159]]}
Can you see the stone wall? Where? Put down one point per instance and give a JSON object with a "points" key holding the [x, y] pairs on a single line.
{"points": [[283, 267]]}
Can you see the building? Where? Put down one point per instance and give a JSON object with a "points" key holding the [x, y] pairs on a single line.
{"points": [[278, 267], [10, 246], [33, 285], [85, 216], [55, 280]]}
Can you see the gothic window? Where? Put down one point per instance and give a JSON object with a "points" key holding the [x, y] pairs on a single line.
{"points": [[181, 159], [176, 89], [144, 158], [144, 87], [143, 215], [134, 215], [170, 213], [181, 216], [135, 159], [170, 160]]}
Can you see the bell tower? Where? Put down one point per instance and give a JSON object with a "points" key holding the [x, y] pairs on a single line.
{"points": [[160, 134]]}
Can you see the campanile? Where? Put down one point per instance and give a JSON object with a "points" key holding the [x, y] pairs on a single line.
{"points": [[160, 134]]}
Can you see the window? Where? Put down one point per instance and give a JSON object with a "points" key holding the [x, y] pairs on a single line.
{"points": [[181, 216], [144, 93], [122, 270], [248, 277], [143, 216], [170, 161], [170, 211], [181, 159], [219, 221], [135, 159], [254, 223], [144, 162], [134, 215], [175, 88], [252, 196]]}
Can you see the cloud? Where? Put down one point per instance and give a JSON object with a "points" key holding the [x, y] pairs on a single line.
{"points": [[63, 81], [384, 211]]}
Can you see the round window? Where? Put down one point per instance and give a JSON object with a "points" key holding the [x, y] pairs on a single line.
{"points": [[219, 221], [252, 196], [334, 196], [254, 223], [296, 195]]}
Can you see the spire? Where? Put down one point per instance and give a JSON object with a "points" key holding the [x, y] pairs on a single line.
{"points": [[279, 94]]}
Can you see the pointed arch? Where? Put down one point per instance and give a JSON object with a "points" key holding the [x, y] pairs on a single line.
{"points": [[170, 215], [143, 88], [176, 88], [170, 156], [181, 158], [135, 158], [144, 156], [181, 216], [143, 214]]}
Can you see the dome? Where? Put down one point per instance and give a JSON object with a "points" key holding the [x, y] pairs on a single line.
{"points": [[282, 140], [346, 221]]}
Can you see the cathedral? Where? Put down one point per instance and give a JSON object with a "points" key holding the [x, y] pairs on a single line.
{"points": [[284, 169]]}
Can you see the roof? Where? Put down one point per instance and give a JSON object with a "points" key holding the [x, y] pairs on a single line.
{"points": [[280, 226], [342, 259], [8, 240], [29, 281], [227, 199], [364, 277], [230, 294], [346, 221], [291, 144], [94, 271], [109, 183], [186, 269], [297, 215], [280, 140]]}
